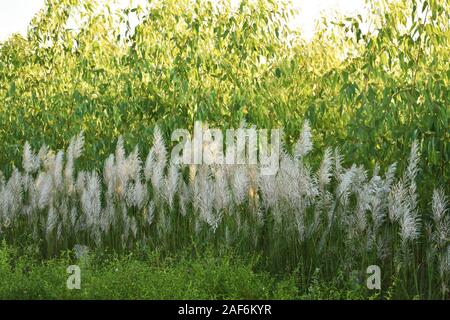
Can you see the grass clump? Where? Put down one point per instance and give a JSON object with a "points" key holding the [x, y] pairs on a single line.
{"points": [[149, 276]]}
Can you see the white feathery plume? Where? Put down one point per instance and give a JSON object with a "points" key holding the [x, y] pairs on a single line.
{"points": [[121, 169], [135, 193], [2, 196], [322, 206], [159, 153], [90, 200], [109, 169], [307, 183], [30, 161], [380, 190], [295, 182], [43, 153], [376, 170], [159, 147], [403, 203], [15, 184], [48, 160], [202, 192], [359, 178], [396, 202], [363, 196], [300, 223], [44, 185], [411, 201], [389, 177], [57, 170], [444, 263], [325, 197], [107, 218], [68, 174], [130, 195], [324, 174], [192, 174], [409, 227], [183, 198], [30, 201], [133, 164], [412, 198], [78, 146], [337, 164], [413, 162], [375, 204], [149, 165], [304, 143], [135, 190], [12, 197], [81, 181], [206, 196], [439, 205], [4, 206], [73, 216], [171, 184], [213, 220], [222, 197], [239, 184], [288, 179], [140, 193], [195, 184], [253, 195], [120, 151], [73, 152], [52, 220], [157, 179], [109, 175], [211, 148], [268, 186], [344, 186], [374, 189]]}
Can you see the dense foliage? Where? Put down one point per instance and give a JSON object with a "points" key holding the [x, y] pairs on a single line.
{"points": [[200, 274], [371, 86]]}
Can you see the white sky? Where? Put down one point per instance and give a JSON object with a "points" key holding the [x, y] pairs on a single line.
{"points": [[15, 15]]}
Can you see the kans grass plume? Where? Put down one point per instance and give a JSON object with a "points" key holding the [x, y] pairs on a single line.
{"points": [[296, 212]]}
